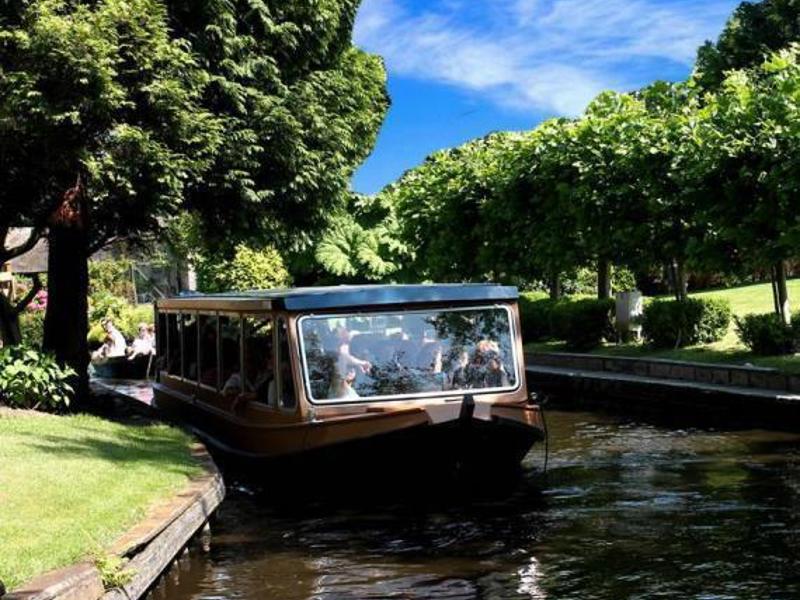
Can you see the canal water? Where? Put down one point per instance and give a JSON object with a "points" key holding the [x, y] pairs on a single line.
{"points": [[628, 509]]}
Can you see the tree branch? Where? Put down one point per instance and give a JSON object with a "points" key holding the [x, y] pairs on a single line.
{"points": [[8, 254], [35, 289], [100, 244]]}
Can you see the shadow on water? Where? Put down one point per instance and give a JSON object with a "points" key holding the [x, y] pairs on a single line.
{"points": [[628, 509]]}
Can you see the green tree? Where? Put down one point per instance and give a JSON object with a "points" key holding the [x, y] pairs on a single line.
{"points": [[117, 116], [530, 224], [301, 108], [100, 129], [751, 141], [440, 207], [754, 30]]}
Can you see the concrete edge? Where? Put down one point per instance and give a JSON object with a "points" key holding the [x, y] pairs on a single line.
{"points": [[150, 545]]}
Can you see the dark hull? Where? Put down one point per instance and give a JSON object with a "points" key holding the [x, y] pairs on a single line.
{"points": [[120, 367], [473, 449]]}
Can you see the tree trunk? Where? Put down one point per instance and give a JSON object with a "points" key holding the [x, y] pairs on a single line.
{"points": [[9, 323], [66, 323], [783, 293], [603, 278], [681, 281], [555, 287], [773, 279]]}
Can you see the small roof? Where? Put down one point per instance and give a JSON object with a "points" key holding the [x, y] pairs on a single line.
{"points": [[33, 261], [345, 296]]}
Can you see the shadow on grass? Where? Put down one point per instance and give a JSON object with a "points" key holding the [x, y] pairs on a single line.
{"points": [[145, 445]]}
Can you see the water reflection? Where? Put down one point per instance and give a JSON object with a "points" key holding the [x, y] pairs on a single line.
{"points": [[628, 510]]}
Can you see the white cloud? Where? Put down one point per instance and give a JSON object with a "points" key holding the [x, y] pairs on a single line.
{"points": [[551, 55]]}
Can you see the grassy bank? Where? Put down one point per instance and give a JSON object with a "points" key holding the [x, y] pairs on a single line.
{"points": [[751, 299], [70, 485]]}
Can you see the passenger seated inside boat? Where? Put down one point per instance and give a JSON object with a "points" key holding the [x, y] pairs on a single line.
{"points": [[360, 357], [258, 383]]}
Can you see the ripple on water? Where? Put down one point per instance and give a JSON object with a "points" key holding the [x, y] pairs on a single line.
{"points": [[627, 510]]}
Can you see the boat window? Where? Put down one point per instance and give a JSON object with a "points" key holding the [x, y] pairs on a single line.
{"points": [[208, 351], [189, 352], [173, 344], [354, 357], [287, 391], [230, 331], [259, 359]]}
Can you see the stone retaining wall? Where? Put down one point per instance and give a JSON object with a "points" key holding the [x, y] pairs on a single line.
{"points": [[715, 374]]}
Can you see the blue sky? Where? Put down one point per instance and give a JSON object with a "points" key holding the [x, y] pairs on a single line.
{"points": [[459, 69]]}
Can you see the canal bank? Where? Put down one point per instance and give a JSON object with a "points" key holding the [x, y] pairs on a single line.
{"points": [[753, 395], [85, 449]]}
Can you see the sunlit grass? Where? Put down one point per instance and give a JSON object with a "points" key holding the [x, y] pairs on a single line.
{"points": [[70, 485], [751, 299]]}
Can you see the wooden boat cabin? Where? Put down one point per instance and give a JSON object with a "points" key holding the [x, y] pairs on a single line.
{"points": [[395, 370]]}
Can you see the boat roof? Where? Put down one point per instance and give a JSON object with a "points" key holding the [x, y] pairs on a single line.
{"points": [[348, 296]]}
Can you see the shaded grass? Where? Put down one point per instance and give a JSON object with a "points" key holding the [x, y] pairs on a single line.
{"points": [[750, 299], [70, 485]]}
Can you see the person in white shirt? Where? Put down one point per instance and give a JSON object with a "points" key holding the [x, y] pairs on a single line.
{"points": [[114, 344], [142, 344]]}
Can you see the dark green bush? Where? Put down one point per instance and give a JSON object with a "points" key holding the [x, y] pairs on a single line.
{"points": [[535, 309], [31, 379], [584, 323], [767, 335], [669, 323]]}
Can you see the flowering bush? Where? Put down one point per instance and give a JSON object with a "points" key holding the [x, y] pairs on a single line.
{"points": [[39, 302]]}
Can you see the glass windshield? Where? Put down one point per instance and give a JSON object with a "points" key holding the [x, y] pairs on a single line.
{"points": [[395, 354]]}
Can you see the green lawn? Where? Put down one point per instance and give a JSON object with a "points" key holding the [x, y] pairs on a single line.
{"points": [[70, 485], [743, 300]]}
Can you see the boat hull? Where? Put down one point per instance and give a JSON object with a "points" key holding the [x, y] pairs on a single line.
{"points": [[391, 440]]}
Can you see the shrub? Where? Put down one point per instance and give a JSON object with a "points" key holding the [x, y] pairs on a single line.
{"points": [[111, 277], [767, 334], [31, 326], [669, 323], [534, 312], [248, 269], [31, 379], [584, 323]]}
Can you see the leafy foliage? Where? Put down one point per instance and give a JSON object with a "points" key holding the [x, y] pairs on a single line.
{"points": [[754, 30], [301, 108], [672, 323], [767, 335], [584, 323], [362, 242], [31, 379], [31, 325], [248, 269], [111, 276], [535, 309]]}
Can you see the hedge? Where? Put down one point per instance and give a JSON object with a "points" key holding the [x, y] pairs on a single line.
{"points": [[582, 323], [670, 323], [767, 335]]}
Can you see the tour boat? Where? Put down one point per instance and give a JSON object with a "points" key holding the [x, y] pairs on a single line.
{"points": [[389, 374]]}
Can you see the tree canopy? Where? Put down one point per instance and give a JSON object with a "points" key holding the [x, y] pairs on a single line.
{"points": [[754, 30]]}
